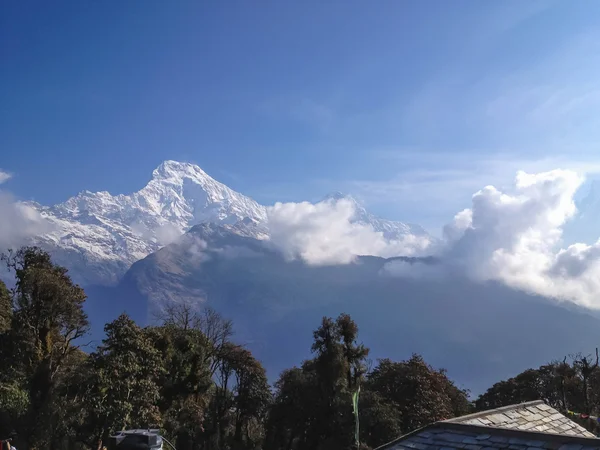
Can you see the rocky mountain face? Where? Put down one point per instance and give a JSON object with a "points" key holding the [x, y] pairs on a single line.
{"points": [[98, 236]]}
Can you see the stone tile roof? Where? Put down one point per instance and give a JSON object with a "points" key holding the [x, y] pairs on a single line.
{"points": [[451, 436], [530, 416], [527, 426]]}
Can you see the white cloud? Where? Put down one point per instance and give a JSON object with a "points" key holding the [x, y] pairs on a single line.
{"points": [[196, 250], [4, 176], [430, 186], [324, 234], [515, 237], [510, 235], [18, 222], [167, 234], [236, 252], [164, 234], [417, 270]]}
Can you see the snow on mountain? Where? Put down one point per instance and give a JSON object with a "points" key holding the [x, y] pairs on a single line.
{"points": [[390, 229], [98, 236]]}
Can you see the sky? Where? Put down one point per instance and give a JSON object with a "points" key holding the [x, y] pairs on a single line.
{"points": [[412, 107]]}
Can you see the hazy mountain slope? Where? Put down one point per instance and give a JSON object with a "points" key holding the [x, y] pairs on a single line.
{"points": [[480, 332]]}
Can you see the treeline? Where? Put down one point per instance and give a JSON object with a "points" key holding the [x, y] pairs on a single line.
{"points": [[571, 384], [188, 377]]}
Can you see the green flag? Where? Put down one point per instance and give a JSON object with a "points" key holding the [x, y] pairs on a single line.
{"points": [[355, 410]]}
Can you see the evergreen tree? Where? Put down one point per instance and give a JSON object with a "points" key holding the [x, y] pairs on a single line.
{"points": [[47, 320], [185, 383], [122, 390], [423, 395], [5, 308], [313, 408]]}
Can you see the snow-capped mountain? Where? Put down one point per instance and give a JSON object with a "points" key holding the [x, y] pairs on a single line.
{"points": [[98, 236], [389, 228]]}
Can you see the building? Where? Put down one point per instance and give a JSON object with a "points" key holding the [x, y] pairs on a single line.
{"points": [[527, 426]]}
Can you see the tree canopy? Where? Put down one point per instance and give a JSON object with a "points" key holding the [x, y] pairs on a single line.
{"points": [[189, 377]]}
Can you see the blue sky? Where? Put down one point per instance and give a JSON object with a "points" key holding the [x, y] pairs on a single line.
{"points": [[410, 106]]}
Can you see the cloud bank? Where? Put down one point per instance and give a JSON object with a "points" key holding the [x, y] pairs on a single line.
{"points": [[515, 238], [325, 234], [18, 221], [4, 176], [511, 236]]}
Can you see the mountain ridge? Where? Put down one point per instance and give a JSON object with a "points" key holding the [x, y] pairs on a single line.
{"points": [[98, 236]]}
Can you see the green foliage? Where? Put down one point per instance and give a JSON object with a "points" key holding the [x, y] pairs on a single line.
{"points": [[185, 381], [423, 394], [558, 384], [206, 392], [380, 419], [47, 317], [312, 408], [566, 385], [13, 399], [121, 381], [5, 308]]}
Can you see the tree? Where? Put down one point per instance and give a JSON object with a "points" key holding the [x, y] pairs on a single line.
{"points": [[585, 368], [558, 383], [251, 400], [423, 394], [69, 403], [6, 309], [47, 321], [380, 419], [189, 316], [14, 399], [185, 383], [122, 390], [294, 408], [313, 408]]}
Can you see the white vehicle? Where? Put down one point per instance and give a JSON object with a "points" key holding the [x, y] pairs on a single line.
{"points": [[149, 439]]}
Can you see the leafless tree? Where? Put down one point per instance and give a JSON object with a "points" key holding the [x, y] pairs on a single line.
{"points": [[184, 315], [585, 366], [193, 316]]}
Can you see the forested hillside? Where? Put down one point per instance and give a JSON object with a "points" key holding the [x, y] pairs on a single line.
{"points": [[189, 377]]}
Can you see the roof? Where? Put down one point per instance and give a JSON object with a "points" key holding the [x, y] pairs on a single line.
{"points": [[530, 416], [527, 426], [450, 436]]}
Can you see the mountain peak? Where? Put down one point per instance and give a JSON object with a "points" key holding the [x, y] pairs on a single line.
{"points": [[337, 195], [110, 232], [170, 169]]}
